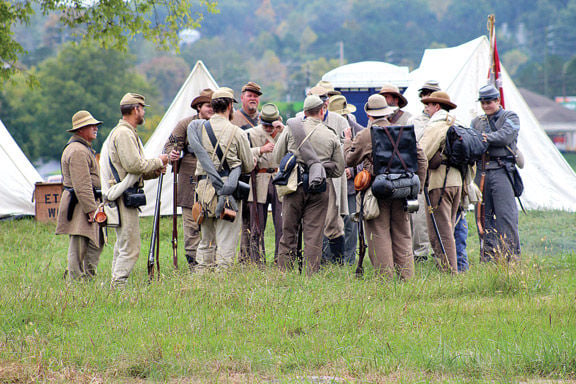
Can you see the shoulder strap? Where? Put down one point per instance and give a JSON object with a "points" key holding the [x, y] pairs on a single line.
{"points": [[216, 145], [114, 170], [395, 151], [307, 137], [248, 118]]}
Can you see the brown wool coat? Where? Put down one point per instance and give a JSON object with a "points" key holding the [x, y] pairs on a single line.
{"points": [[80, 171], [187, 165]]}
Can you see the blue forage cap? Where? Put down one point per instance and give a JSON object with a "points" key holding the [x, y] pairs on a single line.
{"points": [[488, 92]]}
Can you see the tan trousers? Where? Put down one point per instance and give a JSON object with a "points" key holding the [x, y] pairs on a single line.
{"points": [[420, 238], [83, 257], [334, 223], [191, 234], [127, 247], [445, 216], [218, 243], [390, 241], [310, 210]]}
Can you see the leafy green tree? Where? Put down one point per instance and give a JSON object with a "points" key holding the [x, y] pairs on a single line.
{"points": [[111, 23], [167, 73], [80, 77]]}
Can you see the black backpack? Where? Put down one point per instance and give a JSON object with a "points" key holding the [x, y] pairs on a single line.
{"points": [[464, 146]]}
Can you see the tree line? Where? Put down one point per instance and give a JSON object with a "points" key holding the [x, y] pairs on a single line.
{"points": [[283, 45]]}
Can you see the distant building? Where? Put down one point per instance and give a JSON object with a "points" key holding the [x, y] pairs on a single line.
{"points": [[558, 121], [357, 81]]}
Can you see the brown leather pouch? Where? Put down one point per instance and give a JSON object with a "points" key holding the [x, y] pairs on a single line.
{"points": [[228, 214], [436, 160], [197, 213]]}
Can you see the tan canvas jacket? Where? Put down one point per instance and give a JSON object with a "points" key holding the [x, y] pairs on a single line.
{"points": [[434, 139], [126, 153], [258, 137]]}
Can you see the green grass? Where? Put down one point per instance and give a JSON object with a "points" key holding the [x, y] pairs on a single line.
{"points": [[492, 324]]}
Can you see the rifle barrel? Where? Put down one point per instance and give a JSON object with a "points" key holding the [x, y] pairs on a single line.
{"points": [[155, 229]]}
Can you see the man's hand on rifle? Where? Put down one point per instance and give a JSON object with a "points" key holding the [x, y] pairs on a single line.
{"points": [[164, 157], [174, 155]]}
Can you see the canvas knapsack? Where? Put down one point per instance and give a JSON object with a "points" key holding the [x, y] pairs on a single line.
{"points": [[464, 146], [395, 162]]}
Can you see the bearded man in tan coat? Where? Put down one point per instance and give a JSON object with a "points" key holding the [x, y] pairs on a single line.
{"points": [[80, 198], [262, 193], [122, 158]]}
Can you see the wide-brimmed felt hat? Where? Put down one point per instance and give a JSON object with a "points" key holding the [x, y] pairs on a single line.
{"points": [[338, 104], [269, 113], [430, 85], [82, 119], [133, 98], [376, 106], [330, 91], [223, 93], [488, 92], [439, 97], [204, 97], [393, 90], [318, 91], [252, 87]]}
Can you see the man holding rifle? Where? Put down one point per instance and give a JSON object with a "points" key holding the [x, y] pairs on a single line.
{"points": [[175, 145], [499, 222], [445, 183], [123, 158]]}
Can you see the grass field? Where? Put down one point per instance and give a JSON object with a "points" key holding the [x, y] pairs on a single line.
{"points": [[492, 324]]}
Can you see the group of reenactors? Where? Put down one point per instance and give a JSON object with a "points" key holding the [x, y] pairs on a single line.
{"points": [[234, 165]]}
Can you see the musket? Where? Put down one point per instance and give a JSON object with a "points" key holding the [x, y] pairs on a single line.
{"points": [[155, 238], [434, 224], [481, 208], [175, 215], [254, 215], [361, 238]]}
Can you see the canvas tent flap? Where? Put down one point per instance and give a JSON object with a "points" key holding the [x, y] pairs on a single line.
{"points": [[199, 79], [549, 180], [18, 177]]}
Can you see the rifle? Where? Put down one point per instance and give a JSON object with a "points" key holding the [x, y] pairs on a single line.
{"points": [[155, 238], [361, 239], [175, 215], [254, 215], [481, 209], [434, 224]]}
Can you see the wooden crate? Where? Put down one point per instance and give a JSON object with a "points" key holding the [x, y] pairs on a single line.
{"points": [[47, 198]]}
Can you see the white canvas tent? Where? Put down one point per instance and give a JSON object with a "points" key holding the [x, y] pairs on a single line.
{"points": [[18, 176], [198, 80], [548, 179]]}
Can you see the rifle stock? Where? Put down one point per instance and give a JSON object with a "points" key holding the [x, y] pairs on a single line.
{"points": [[361, 239], [434, 224]]}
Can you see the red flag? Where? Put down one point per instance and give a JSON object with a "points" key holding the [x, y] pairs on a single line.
{"points": [[495, 75]]}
